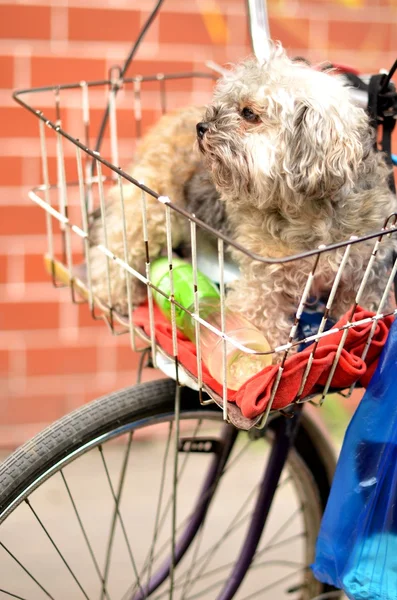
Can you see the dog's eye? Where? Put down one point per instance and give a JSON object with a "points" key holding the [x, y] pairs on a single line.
{"points": [[249, 115]]}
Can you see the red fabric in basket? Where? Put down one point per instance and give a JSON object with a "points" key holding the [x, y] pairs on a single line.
{"points": [[254, 395]]}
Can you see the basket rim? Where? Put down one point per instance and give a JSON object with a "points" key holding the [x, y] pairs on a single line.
{"points": [[118, 82], [119, 172]]}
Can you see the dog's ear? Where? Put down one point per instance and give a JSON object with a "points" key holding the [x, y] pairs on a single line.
{"points": [[323, 148]]}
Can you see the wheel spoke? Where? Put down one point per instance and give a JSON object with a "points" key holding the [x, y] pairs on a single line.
{"points": [[26, 571], [267, 588], [205, 558], [211, 587], [83, 531], [162, 519], [229, 565], [159, 504], [181, 471], [238, 456], [292, 538], [12, 595], [281, 529], [271, 585], [174, 489], [202, 577], [271, 563], [236, 522], [328, 595], [117, 515], [56, 548], [196, 550], [115, 511], [202, 500], [278, 563]]}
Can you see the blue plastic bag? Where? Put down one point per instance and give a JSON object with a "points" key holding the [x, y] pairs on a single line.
{"points": [[357, 544]]}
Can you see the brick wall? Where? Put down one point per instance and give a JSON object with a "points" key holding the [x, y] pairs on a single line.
{"points": [[52, 356]]}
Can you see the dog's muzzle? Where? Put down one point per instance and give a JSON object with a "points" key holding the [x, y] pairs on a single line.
{"points": [[201, 129]]}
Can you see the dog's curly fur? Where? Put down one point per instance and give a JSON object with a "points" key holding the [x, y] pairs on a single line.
{"points": [[287, 164]]}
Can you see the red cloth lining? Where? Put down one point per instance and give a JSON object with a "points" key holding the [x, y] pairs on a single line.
{"points": [[253, 397], [345, 69]]}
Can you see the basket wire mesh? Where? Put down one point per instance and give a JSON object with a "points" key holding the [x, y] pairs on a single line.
{"points": [[95, 173], [91, 191]]}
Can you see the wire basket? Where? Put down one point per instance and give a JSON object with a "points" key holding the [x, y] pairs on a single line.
{"points": [[76, 184]]}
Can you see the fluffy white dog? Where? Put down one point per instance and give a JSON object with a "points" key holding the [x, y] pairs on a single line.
{"points": [[286, 164]]}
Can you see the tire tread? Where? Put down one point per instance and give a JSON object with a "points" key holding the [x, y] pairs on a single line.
{"points": [[76, 428]]}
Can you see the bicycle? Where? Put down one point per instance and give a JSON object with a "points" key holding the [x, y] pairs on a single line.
{"points": [[287, 451]]}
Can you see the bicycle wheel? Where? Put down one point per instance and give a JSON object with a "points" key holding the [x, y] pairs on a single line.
{"points": [[87, 507]]}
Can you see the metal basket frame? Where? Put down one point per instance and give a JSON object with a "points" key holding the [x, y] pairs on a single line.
{"points": [[86, 180], [94, 161]]}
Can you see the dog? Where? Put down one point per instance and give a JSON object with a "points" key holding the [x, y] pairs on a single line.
{"points": [[283, 162]]}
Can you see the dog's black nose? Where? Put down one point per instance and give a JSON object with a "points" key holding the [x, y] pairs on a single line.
{"points": [[201, 128]]}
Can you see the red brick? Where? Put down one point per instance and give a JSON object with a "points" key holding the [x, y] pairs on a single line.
{"points": [[366, 36], [11, 170], [3, 268], [61, 361], [4, 361], [13, 436], [238, 30], [364, 62], [232, 54], [291, 32], [21, 220], [70, 167], [149, 67], [6, 71], [51, 70], [85, 319], [33, 409], [183, 84], [371, 63], [29, 315], [127, 359], [76, 400], [25, 21], [125, 122], [18, 122], [182, 28], [90, 24], [34, 267]]}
